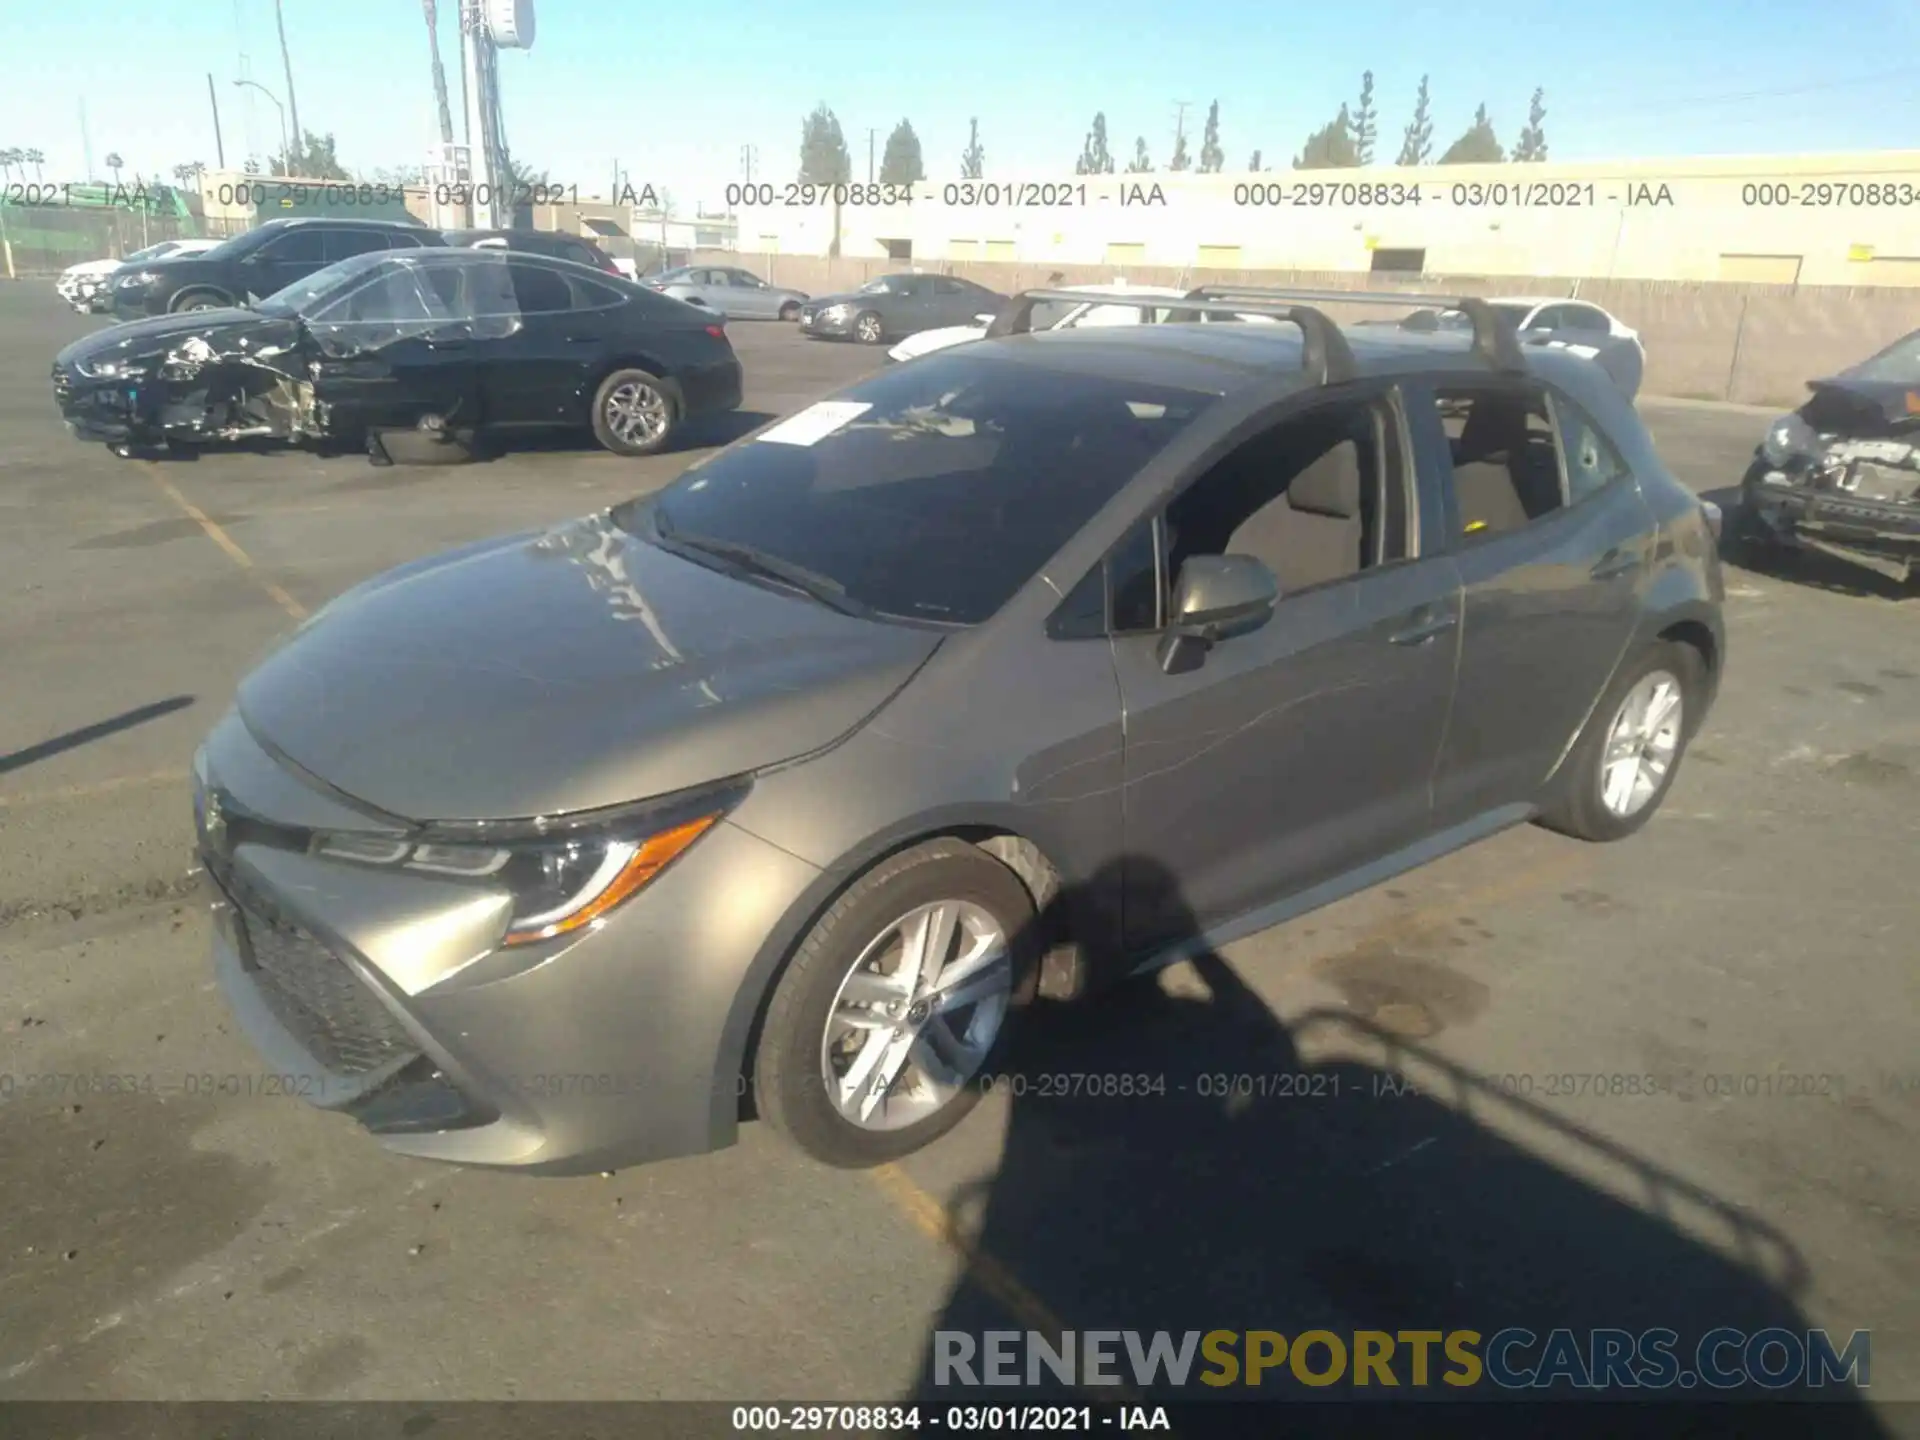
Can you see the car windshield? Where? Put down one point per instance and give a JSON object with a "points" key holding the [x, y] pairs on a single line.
{"points": [[154, 252], [928, 493], [304, 295], [1898, 364], [884, 285], [234, 246]]}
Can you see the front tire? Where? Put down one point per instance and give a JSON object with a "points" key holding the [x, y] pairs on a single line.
{"points": [[790, 312], [1624, 763], [900, 1000], [635, 412], [197, 300], [868, 328]]}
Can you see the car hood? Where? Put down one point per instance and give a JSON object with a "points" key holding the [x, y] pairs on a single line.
{"points": [[930, 340], [566, 670], [225, 330], [1845, 405], [93, 267]]}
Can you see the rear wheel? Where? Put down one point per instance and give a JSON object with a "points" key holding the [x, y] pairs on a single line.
{"points": [[897, 1004], [1624, 762], [868, 328], [635, 412]]}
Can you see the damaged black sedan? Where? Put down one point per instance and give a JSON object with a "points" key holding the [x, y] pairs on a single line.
{"points": [[1841, 475], [415, 355]]}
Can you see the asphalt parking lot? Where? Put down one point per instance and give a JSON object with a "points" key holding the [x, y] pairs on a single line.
{"points": [[1671, 1082]]}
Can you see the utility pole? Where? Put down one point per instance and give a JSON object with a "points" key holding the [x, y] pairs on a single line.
{"points": [[870, 135], [86, 141], [219, 145], [748, 153], [286, 60]]}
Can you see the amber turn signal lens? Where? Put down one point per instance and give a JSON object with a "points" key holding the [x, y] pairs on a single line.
{"points": [[653, 856]]}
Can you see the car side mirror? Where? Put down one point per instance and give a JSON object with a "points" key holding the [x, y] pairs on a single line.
{"points": [[1215, 598], [986, 319]]}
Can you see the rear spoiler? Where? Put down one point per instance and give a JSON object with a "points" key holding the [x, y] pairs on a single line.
{"points": [[1325, 354]]}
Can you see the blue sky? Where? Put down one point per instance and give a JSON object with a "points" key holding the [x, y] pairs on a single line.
{"points": [[674, 94]]}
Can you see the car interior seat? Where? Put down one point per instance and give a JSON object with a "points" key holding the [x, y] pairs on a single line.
{"points": [[1503, 475]]}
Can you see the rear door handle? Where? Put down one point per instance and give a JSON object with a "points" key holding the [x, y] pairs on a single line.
{"points": [[1615, 563], [1425, 624]]}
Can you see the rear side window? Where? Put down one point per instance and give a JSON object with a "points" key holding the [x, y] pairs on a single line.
{"points": [[1506, 464], [1592, 461], [539, 290], [343, 244], [591, 294]]}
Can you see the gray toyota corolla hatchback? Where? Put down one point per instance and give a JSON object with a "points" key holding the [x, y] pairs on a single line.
{"points": [[1010, 671]]}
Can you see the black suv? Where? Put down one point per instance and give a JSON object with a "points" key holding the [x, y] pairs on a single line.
{"points": [[536, 242], [253, 265]]}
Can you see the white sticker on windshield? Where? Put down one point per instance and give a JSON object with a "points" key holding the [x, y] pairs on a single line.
{"points": [[816, 422]]}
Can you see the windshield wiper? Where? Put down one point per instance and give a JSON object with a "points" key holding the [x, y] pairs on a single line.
{"points": [[752, 560]]}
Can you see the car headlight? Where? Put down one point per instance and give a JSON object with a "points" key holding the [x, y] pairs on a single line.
{"points": [[836, 312], [1788, 437], [139, 277], [110, 369], [563, 881]]}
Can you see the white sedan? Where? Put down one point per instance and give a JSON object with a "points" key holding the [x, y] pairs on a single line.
{"points": [[79, 285], [1061, 315], [1557, 323]]}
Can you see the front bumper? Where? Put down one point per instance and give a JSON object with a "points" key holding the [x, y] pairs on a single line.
{"points": [[382, 997], [1788, 507], [816, 323], [137, 303], [102, 410]]}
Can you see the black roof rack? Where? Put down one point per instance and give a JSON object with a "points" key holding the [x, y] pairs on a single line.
{"points": [[1494, 337], [1324, 354]]}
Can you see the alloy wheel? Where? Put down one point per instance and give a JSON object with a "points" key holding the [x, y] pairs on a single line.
{"points": [[1642, 743], [637, 413], [869, 329], [917, 1015]]}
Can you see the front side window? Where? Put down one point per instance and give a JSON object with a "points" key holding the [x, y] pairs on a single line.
{"points": [[401, 302], [296, 247], [933, 492]]}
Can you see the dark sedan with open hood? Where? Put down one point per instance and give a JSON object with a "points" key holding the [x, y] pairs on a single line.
{"points": [[413, 354], [1841, 475]]}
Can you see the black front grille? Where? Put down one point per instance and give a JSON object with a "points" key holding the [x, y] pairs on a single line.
{"points": [[315, 994]]}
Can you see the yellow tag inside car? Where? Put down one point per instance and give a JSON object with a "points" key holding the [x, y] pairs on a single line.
{"points": [[1474, 525]]}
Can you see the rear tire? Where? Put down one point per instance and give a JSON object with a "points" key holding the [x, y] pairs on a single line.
{"points": [[636, 412], [1621, 768], [804, 1076]]}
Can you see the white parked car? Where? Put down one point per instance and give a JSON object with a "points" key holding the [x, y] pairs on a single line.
{"points": [[1559, 324], [87, 286], [1060, 315]]}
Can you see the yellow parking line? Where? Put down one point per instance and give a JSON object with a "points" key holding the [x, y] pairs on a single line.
{"points": [[98, 787], [227, 543]]}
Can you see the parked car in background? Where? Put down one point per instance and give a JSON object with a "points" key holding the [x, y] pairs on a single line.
{"points": [[88, 286], [1066, 315], [890, 306], [452, 343], [257, 263], [1557, 323], [738, 294], [1098, 647], [1841, 475], [576, 248]]}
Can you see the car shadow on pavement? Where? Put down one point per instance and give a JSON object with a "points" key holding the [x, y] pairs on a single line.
{"points": [[1379, 1187], [1808, 568]]}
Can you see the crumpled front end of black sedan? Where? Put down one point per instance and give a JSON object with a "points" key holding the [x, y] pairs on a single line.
{"points": [[192, 386], [1842, 479]]}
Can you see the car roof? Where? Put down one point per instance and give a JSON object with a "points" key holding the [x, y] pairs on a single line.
{"points": [[1232, 359], [520, 233], [294, 222]]}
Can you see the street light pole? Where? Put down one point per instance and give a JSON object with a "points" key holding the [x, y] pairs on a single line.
{"points": [[286, 149]]}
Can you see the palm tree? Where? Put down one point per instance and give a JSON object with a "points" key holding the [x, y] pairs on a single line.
{"points": [[9, 159], [432, 12], [286, 61], [114, 162], [35, 158]]}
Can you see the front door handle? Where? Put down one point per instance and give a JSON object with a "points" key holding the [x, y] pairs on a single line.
{"points": [[1614, 563], [1424, 626]]}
